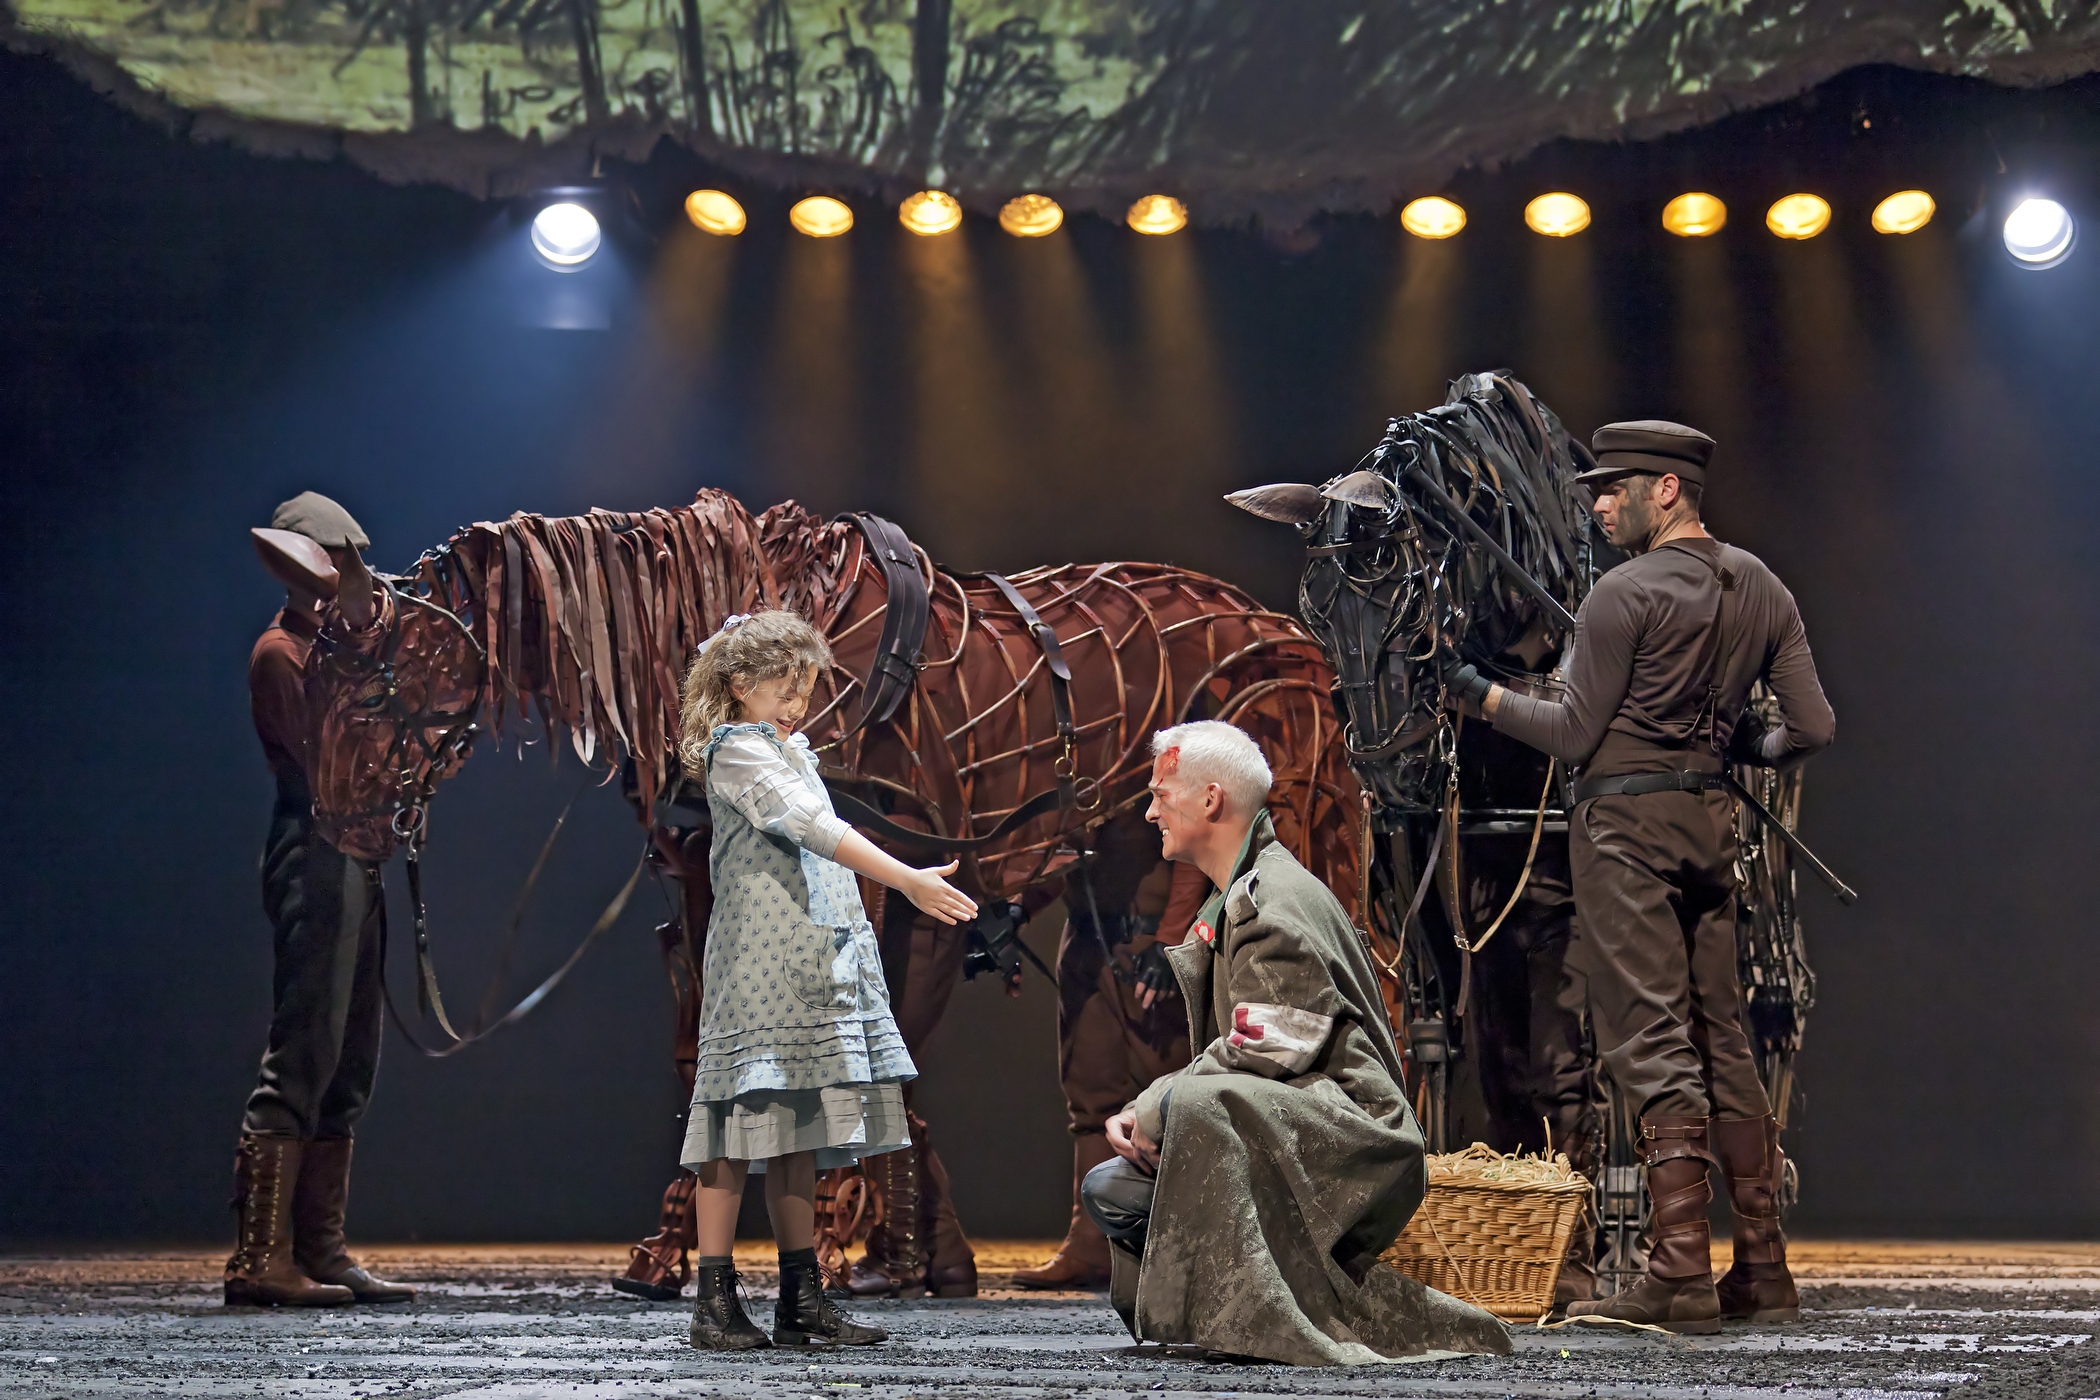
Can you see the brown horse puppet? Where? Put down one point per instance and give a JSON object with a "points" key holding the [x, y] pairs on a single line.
{"points": [[1002, 720]]}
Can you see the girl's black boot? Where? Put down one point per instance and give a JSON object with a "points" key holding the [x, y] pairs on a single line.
{"points": [[719, 1322], [804, 1317]]}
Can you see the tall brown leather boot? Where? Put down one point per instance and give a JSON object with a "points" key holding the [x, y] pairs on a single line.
{"points": [[1677, 1293], [894, 1265], [261, 1272], [951, 1265], [1758, 1286], [319, 1203], [1082, 1260], [656, 1268]]}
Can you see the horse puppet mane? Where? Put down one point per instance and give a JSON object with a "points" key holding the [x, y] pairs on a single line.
{"points": [[587, 622]]}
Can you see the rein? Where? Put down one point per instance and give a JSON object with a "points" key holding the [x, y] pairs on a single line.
{"points": [[410, 823]]}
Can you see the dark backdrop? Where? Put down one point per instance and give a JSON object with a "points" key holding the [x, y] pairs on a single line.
{"points": [[188, 335]]}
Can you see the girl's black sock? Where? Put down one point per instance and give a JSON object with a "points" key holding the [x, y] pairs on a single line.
{"points": [[712, 1261], [806, 1258]]}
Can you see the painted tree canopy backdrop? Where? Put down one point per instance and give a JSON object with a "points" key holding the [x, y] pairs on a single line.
{"points": [[1238, 106]]}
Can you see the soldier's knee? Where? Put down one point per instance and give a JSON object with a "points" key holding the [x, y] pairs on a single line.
{"points": [[1118, 1198]]}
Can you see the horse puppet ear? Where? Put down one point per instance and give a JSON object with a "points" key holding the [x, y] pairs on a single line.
{"points": [[1287, 502], [1366, 489], [296, 561]]}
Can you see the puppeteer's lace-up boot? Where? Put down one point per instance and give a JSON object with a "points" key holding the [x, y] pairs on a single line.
{"points": [[1082, 1260], [319, 1205], [1758, 1286], [262, 1272], [895, 1263], [804, 1317], [719, 1320], [1677, 1293], [951, 1265]]}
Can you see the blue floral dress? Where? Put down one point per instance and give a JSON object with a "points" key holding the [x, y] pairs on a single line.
{"points": [[798, 1051]]}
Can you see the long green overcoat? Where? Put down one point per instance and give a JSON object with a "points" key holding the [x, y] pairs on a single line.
{"points": [[1289, 1155]]}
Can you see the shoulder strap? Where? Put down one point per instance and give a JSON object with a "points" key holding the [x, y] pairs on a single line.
{"points": [[905, 612], [1711, 650], [1066, 766]]}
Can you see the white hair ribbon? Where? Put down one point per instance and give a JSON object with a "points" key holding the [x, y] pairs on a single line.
{"points": [[732, 621]]}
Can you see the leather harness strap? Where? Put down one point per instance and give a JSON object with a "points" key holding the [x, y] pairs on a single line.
{"points": [[905, 613], [1067, 765], [861, 814]]}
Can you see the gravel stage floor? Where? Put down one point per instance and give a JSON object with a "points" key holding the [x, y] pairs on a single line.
{"points": [[523, 1322]]}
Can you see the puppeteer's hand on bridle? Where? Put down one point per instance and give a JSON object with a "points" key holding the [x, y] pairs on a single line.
{"points": [[1154, 976], [1463, 684]]}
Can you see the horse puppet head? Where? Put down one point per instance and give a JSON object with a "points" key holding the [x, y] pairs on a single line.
{"points": [[394, 707], [589, 620], [1391, 581]]}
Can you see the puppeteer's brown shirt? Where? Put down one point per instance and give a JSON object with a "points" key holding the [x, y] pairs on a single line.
{"points": [[1635, 682], [277, 690]]}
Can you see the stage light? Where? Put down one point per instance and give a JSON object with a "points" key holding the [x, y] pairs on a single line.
{"points": [[820, 216], [930, 212], [715, 212], [565, 234], [2039, 233], [1432, 217], [1557, 215], [1158, 213], [1798, 216], [1905, 211], [1694, 215], [1031, 216]]}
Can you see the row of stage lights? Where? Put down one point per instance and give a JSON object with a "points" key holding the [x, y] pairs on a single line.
{"points": [[928, 213], [2039, 233]]}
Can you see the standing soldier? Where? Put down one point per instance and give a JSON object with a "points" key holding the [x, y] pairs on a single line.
{"points": [[1120, 1021], [292, 1171], [1666, 651]]}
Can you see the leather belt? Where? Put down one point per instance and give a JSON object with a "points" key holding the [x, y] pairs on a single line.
{"points": [[1634, 784]]}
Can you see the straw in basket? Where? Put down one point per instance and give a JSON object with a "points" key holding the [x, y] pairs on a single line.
{"points": [[1492, 1229]]}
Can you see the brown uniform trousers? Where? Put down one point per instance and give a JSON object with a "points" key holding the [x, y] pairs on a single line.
{"points": [[1527, 1036], [1655, 877], [1109, 1048]]}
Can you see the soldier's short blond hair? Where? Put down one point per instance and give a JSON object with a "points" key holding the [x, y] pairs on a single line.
{"points": [[1212, 751]]}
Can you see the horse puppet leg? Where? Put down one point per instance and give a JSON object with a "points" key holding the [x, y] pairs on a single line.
{"points": [[920, 1245], [657, 1267]]}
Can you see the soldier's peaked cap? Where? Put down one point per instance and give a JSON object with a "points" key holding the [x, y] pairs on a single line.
{"points": [[1651, 446], [321, 520]]}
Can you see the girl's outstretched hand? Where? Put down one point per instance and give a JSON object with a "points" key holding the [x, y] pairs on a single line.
{"points": [[927, 889]]}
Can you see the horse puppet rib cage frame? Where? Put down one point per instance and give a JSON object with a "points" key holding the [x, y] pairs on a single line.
{"points": [[1391, 582], [1050, 681]]}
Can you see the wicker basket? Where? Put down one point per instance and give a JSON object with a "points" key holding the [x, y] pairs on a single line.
{"points": [[1494, 1242]]}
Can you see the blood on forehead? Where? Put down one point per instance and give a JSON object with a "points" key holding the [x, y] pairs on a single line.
{"points": [[1166, 765]]}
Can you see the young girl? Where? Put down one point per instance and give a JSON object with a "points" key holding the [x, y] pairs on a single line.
{"points": [[800, 1064]]}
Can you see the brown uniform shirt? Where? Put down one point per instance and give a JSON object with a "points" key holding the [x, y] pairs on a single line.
{"points": [[277, 691], [1635, 681]]}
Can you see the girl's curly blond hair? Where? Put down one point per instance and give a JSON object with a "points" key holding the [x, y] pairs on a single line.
{"points": [[751, 647]]}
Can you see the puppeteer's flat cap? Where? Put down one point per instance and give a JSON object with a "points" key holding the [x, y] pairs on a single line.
{"points": [[1649, 445], [321, 520]]}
